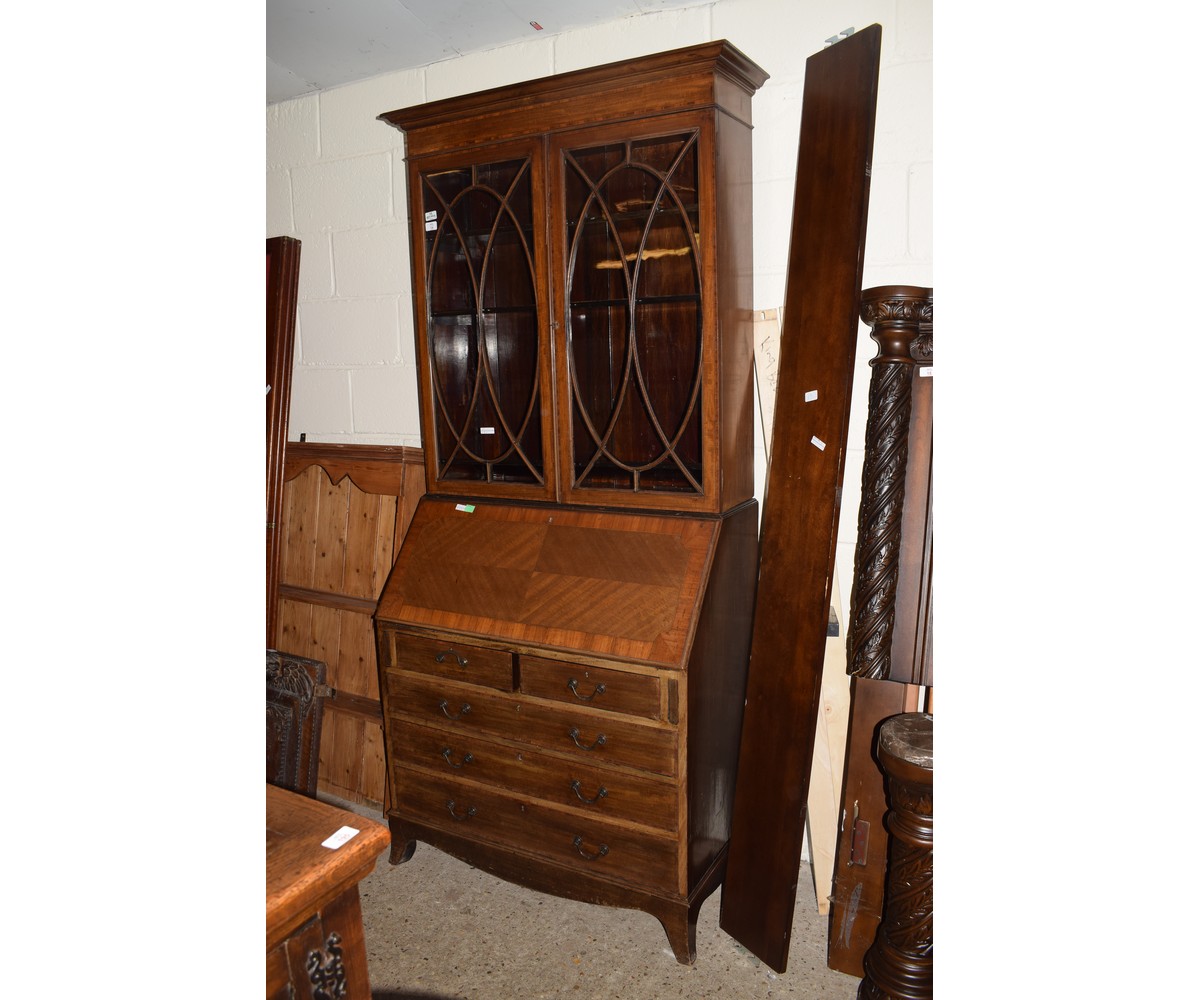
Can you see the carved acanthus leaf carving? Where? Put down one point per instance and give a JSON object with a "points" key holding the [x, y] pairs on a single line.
{"points": [[904, 308]]}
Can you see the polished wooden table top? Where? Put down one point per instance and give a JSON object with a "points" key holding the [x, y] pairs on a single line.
{"points": [[302, 875]]}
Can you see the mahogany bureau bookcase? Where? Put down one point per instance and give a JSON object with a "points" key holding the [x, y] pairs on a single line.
{"points": [[564, 637]]}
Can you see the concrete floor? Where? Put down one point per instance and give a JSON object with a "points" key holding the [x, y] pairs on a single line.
{"points": [[437, 929]]}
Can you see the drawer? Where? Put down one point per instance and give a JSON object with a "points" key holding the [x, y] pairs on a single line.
{"points": [[585, 734], [590, 790], [597, 687], [581, 843], [448, 657]]}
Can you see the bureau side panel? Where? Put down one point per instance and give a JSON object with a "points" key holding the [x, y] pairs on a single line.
{"points": [[716, 684]]}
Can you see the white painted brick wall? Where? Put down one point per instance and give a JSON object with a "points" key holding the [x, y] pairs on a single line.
{"points": [[351, 193], [484, 70], [632, 36], [335, 180], [349, 125], [372, 261]]}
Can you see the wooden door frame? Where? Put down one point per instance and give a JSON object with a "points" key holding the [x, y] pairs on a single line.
{"points": [[283, 279]]}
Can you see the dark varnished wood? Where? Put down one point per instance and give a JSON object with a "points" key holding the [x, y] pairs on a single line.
{"points": [[313, 915], [677, 913], [582, 262], [296, 696], [482, 315], [597, 687], [373, 468], [471, 709], [800, 517], [700, 76], [860, 857], [606, 584], [283, 275], [693, 349], [451, 659], [579, 840], [716, 689], [890, 615], [889, 643], [899, 965], [563, 779], [652, 264], [678, 688]]}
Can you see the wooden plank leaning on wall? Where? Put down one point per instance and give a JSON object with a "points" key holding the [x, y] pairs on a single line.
{"points": [[346, 509]]}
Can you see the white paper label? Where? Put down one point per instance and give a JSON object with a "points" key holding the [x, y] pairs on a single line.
{"points": [[430, 226], [810, 395], [487, 430], [925, 371], [466, 508], [431, 216], [818, 442], [337, 839]]}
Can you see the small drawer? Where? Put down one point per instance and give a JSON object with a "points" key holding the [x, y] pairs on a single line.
{"points": [[595, 687], [447, 657]]}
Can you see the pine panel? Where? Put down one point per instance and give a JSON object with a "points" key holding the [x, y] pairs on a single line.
{"points": [[340, 537], [330, 527], [295, 626], [356, 656], [341, 755], [374, 766], [384, 552], [300, 499], [363, 518]]}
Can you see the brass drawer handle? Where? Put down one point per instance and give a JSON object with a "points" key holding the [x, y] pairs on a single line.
{"points": [[465, 816], [450, 651], [578, 842], [575, 785], [443, 704], [466, 760], [574, 734], [573, 684]]}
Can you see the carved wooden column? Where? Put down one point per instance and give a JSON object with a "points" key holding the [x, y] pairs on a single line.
{"points": [[899, 965], [893, 526], [889, 638]]}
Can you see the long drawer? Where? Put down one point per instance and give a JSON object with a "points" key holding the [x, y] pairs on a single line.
{"points": [[592, 790], [587, 734], [582, 843]]}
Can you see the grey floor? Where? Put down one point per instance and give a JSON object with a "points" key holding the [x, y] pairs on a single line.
{"points": [[438, 929]]}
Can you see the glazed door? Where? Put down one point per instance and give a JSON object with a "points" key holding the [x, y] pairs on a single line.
{"points": [[483, 328], [635, 338]]}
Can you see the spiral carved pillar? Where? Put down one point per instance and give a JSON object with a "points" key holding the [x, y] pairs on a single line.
{"points": [[901, 321], [899, 965]]}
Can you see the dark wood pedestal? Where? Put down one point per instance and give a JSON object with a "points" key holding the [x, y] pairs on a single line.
{"points": [[889, 641], [899, 965]]}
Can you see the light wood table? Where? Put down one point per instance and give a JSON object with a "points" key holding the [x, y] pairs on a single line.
{"points": [[315, 944]]}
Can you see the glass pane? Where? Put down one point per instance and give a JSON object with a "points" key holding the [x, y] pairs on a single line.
{"points": [[634, 316], [483, 324]]}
